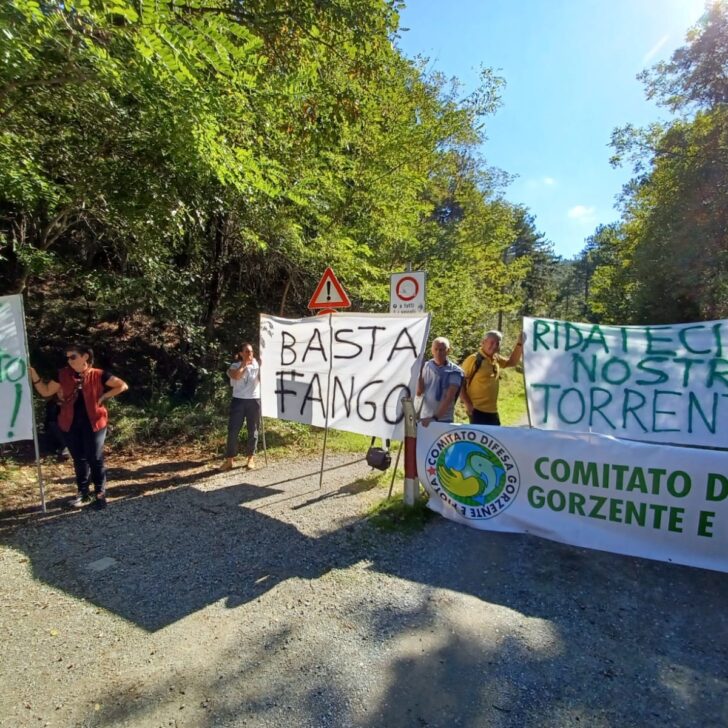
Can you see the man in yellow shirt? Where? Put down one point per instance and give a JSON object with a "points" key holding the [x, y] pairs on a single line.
{"points": [[482, 378]]}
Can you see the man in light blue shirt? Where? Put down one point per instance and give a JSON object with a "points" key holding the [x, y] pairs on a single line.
{"points": [[439, 384], [244, 374]]}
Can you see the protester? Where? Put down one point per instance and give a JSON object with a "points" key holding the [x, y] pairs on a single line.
{"points": [[438, 384], [82, 419], [244, 374], [53, 440], [482, 378]]}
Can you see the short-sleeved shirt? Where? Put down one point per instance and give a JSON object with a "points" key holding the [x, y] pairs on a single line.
{"points": [[248, 386], [437, 380], [483, 387]]}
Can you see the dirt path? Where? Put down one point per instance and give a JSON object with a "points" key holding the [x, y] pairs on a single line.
{"points": [[255, 599]]}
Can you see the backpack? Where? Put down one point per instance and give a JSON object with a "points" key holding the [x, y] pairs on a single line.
{"points": [[479, 359]]}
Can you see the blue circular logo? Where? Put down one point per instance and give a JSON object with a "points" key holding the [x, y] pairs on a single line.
{"points": [[473, 472]]}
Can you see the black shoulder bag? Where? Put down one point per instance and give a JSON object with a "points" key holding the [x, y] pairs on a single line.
{"points": [[379, 457]]}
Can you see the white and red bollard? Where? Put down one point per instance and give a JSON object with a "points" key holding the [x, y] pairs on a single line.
{"points": [[411, 483]]}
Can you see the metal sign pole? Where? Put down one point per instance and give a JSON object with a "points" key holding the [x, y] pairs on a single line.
{"points": [[41, 485], [38, 468], [328, 397]]}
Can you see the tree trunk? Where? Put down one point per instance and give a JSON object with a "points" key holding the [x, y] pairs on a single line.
{"points": [[216, 287], [285, 296]]}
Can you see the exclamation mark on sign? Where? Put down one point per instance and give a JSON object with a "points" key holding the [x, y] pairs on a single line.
{"points": [[16, 409], [328, 290]]}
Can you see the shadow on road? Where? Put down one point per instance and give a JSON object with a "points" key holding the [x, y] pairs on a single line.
{"points": [[621, 626]]}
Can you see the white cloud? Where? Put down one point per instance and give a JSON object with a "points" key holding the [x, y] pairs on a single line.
{"points": [[537, 183], [655, 49], [582, 213]]}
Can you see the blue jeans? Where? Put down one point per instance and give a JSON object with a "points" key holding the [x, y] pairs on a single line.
{"points": [[241, 410], [87, 451]]}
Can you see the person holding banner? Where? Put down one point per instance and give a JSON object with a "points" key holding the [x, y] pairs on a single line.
{"points": [[482, 378], [82, 391], [244, 375], [54, 441], [438, 384]]}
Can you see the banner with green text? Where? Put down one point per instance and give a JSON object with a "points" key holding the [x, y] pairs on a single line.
{"points": [[639, 499], [652, 383], [16, 415]]}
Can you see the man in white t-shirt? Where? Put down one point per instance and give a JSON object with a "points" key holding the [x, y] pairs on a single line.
{"points": [[439, 384], [244, 374]]}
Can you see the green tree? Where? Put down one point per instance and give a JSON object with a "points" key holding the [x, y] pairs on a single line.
{"points": [[673, 245], [537, 288], [168, 171]]}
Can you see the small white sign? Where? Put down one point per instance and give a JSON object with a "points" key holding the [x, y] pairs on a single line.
{"points": [[407, 292]]}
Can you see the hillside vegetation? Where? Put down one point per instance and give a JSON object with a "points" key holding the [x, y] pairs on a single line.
{"points": [[169, 171]]}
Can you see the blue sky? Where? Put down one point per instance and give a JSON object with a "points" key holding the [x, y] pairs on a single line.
{"points": [[570, 68]]}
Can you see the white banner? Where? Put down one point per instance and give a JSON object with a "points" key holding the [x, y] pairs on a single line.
{"points": [[356, 367], [653, 383], [16, 401], [640, 499]]}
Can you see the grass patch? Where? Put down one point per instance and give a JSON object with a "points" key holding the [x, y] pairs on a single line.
{"points": [[305, 439], [512, 397], [18, 486], [164, 421], [511, 400], [393, 515], [9, 472]]}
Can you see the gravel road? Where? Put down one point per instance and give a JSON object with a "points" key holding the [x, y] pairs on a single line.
{"points": [[255, 599]]}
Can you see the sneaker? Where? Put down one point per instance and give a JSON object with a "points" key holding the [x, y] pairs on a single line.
{"points": [[250, 465], [227, 465], [80, 500], [100, 501]]}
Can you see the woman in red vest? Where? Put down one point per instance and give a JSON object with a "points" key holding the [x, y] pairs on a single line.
{"points": [[82, 391]]}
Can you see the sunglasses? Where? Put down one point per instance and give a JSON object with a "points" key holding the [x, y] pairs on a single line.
{"points": [[73, 357]]}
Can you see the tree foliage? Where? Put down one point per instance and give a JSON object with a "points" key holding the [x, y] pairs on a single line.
{"points": [[169, 170], [668, 259], [537, 290], [696, 76]]}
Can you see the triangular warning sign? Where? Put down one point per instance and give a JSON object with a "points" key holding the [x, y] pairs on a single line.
{"points": [[329, 293]]}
